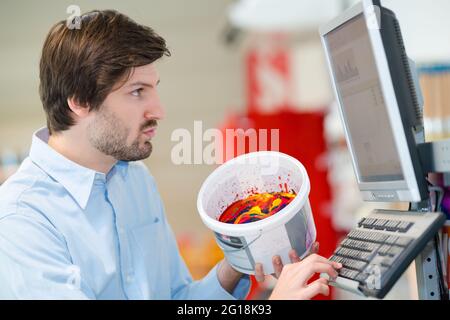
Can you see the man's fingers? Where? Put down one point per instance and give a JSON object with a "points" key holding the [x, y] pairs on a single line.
{"points": [[315, 248], [319, 286], [259, 272], [322, 280], [294, 256], [307, 271], [277, 266], [316, 258]]}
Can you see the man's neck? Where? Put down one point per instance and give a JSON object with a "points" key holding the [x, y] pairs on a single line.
{"points": [[76, 147]]}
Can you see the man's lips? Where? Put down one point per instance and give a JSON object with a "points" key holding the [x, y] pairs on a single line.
{"points": [[150, 132]]}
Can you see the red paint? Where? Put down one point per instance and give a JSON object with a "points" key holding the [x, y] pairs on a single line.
{"points": [[256, 207]]}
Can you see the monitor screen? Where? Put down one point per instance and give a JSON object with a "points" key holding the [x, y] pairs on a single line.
{"points": [[363, 107]]}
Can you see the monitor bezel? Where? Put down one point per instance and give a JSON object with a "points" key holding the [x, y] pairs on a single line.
{"points": [[391, 191]]}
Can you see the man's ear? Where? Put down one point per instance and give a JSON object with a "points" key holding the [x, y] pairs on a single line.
{"points": [[80, 110]]}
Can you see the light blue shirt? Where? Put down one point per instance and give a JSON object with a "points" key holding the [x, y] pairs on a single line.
{"points": [[68, 232]]}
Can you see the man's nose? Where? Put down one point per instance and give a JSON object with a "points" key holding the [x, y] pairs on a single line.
{"points": [[155, 111]]}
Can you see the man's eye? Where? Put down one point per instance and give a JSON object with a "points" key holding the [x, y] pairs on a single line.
{"points": [[137, 92]]}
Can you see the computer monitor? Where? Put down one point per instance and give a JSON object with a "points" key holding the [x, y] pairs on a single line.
{"points": [[375, 90]]}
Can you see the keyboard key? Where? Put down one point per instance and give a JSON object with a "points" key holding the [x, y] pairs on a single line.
{"points": [[337, 259], [403, 241], [368, 223], [353, 264], [361, 255], [347, 243], [379, 237], [368, 246], [368, 236], [353, 234], [395, 251], [354, 254], [392, 225], [391, 240], [347, 273], [404, 226], [379, 224], [359, 245], [384, 249], [361, 277], [360, 223]]}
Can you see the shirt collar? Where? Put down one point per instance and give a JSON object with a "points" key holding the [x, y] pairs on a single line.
{"points": [[76, 179]]}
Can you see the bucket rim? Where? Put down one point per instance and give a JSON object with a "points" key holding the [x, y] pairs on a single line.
{"points": [[274, 221]]}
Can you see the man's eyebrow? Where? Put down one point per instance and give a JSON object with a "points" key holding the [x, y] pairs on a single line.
{"points": [[144, 84]]}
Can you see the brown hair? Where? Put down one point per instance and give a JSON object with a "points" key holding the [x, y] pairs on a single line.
{"points": [[86, 63]]}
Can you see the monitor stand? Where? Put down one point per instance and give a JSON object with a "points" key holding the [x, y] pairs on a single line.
{"points": [[435, 159]]}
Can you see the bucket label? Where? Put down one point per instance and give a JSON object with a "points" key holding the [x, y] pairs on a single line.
{"points": [[300, 230], [237, 252], [277, 240], [244, 252]]}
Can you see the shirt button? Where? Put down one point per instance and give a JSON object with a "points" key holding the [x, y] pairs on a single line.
{"points": [[130, 278]]}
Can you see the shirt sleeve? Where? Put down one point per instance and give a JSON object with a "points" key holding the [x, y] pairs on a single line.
{"points": [[35, 263], [208, 288], [182, 285]]}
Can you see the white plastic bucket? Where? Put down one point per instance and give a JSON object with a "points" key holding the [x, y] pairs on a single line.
{"points": [[244, 245]]}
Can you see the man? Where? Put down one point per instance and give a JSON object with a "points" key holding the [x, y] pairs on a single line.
{"points": [[82, 219]]}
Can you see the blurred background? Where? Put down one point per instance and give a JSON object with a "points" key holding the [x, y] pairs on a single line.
{"points": [[235, 64]]}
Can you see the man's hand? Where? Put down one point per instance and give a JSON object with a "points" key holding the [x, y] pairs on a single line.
{"points": [[293, 278], [293, 281], [278, 264]]}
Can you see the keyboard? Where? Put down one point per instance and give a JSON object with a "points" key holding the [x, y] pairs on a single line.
{"points": [[375, 254]]}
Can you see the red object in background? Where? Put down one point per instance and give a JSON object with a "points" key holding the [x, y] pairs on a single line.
{"points": [[268, 80], [301, 135]]}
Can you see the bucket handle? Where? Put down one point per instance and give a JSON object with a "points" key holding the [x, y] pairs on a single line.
{"points": [[246, 246]]}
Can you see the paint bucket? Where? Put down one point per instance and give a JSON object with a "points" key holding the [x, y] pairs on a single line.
{"points": [[244, 245]]}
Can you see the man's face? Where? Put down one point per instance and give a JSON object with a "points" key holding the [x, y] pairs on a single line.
{"points": [[126, 121]]}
